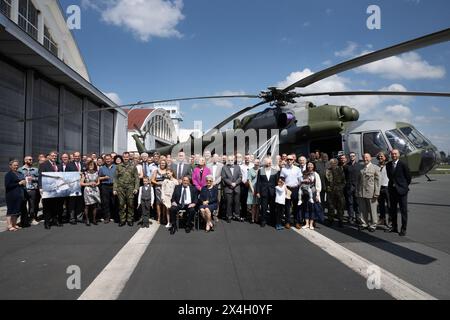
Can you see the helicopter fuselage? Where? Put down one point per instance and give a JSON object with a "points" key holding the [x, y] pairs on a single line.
{"points": [[305, 128]]}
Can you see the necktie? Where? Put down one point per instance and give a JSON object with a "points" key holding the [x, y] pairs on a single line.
{"points": [[145, 170], [55, 168], [183, 196], [179, 171], [78, 166]]}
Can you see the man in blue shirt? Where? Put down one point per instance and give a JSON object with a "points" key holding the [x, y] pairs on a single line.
{"points": [[106, 177]]}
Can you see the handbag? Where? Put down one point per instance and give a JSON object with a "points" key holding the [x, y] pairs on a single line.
{"points": [[318, 211]]}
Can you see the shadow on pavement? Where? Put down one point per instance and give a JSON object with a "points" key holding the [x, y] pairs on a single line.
{"points": [[388, 246]]}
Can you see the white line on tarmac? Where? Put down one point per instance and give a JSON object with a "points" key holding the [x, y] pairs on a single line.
{"points": [[110, 282], [393, 285]]}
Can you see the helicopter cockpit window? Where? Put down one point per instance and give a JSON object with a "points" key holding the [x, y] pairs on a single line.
{"points": [[398, 141], [373, 143], [415, 137]]}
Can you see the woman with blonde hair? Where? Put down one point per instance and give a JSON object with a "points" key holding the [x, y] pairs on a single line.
{"points": [[167, 189], [158, 177]]}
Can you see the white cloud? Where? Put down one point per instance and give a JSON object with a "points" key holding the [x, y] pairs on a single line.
{"points": [[349, 51], [114, 97], [365, 104], [144, 18], [227, 103], [435, 109], [408, 66], [223, 103], [398, 112], [395, 87]]}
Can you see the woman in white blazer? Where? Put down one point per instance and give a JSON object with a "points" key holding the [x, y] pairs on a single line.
{"points": [[308, 207]]}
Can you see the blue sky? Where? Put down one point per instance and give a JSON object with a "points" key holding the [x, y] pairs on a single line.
{"points": [[155, 49]]}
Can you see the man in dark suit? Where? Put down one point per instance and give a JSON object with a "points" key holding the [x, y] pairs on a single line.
{"points": [[52, 207], [232, 178], [399, 181], [67, 166], [265, 189], [181, 168], [184, 197], [78, 202]]}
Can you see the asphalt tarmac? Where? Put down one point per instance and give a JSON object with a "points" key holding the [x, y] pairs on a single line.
{"points": [[238, 261]]}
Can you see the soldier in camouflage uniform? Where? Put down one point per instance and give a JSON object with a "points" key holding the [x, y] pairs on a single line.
{"points": [[335, 179], [126, 185]]}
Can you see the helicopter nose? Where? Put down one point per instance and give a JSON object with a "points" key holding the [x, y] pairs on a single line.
{"points": [[430, 158]]}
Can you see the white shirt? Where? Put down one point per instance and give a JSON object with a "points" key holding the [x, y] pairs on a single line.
{"points": [[302, 168], [268, 172], [292, 175], [244, 170], [140, 194], [188, 195], [139, 169], [395, 164], [180, 168], [384, 180], [280, 195], [152, 168], [214, 169]]}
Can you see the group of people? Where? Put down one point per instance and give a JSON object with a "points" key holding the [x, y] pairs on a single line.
{"points": [[288, 192]]}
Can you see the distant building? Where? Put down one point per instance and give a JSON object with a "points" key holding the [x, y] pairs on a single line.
{"points": [[173, 108], [43, 77], [155, 124], [197, 132]]}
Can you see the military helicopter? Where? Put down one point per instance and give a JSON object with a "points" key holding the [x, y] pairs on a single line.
{"points": [[304, 127]]}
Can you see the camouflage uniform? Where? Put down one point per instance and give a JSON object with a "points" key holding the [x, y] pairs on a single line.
{"points": [[335, 192], [126, 180]]}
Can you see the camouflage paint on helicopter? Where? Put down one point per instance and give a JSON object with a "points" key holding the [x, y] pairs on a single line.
{"points": [[305, 128]]}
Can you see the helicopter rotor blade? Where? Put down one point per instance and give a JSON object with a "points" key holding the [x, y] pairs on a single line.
{"points": [[235, 115], [376, 93], [425, 41], [242, 96], [133, 105]]}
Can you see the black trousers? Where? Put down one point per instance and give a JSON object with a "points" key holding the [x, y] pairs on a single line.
{"points": [[108, 201], [279, 211], [243, 200], [402, 202], [77, 208], [351, 201], [233, 204], [267, 202], [53, 210], [146, 206], [324, 198], [383, 202], [33, 203], [188, 216], [291, 207]]}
